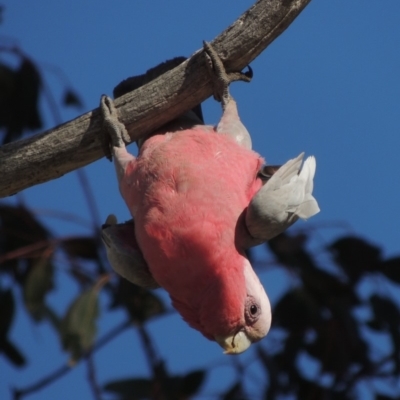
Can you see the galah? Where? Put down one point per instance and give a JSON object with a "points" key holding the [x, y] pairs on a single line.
{"points": [[199, 197]]}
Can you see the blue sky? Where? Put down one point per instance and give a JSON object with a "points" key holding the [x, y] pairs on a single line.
{"points": [[328, 86]]}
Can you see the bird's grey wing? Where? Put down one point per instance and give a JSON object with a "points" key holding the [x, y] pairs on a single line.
{"points": [[124, 253]]}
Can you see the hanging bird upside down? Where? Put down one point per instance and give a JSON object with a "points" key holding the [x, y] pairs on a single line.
{"points": [[199, 197]]}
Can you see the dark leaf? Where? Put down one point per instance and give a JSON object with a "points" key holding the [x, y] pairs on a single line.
{"points": [[384, 397], [311, 390], [376, 325], [78, 328], [7, 307], [22, 102], [387, 317], [20, 223], [355, 256], [177, 387], [391, 268], [8, 79], [386, 313], [29, 82], [235, 392], [71, 98], [327, 289], [290, 251], [297, 310], [285, 361], [131, 389], [272, 372], [81, 275], [21, 231], [12, 353], [191, 383], [339, 346], [38, 283], [83, 247], [7, 88], [141, 303]]}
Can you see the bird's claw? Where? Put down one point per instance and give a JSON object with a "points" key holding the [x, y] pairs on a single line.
{"points": [[115, 132], [220, 77]]}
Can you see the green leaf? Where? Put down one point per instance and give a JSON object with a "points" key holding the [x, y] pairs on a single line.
{"points": [[78, 328], [38, 283]]}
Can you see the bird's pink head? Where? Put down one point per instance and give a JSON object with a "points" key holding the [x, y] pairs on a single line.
{"points": [[233, 309]]}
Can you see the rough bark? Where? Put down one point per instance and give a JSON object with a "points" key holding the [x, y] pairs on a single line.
{"points": [[77, 143]]}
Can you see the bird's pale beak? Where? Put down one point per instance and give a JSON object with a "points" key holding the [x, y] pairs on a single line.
{"points": [[234, 344]]}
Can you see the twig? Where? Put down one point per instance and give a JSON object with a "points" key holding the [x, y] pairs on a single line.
{"points": [[64, 369], [156, 364], [58, 373], [92, 378], [90, 200], [69, 217], [30, 250], [151, 353]]}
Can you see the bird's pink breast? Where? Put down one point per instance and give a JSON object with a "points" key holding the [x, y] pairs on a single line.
{"points": [[186, 191]]}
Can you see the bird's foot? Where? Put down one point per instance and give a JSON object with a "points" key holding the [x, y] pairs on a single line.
{"points": [[220, 77], [115, 132]]}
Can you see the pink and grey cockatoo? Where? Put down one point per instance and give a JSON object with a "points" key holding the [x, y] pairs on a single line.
{"points": [[199, 197]]}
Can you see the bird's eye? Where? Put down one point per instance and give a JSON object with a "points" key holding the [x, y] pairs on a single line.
{"points": [[252, 310]]}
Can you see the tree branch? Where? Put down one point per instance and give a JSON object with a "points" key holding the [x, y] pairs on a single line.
{"points": [[77, 143]]}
